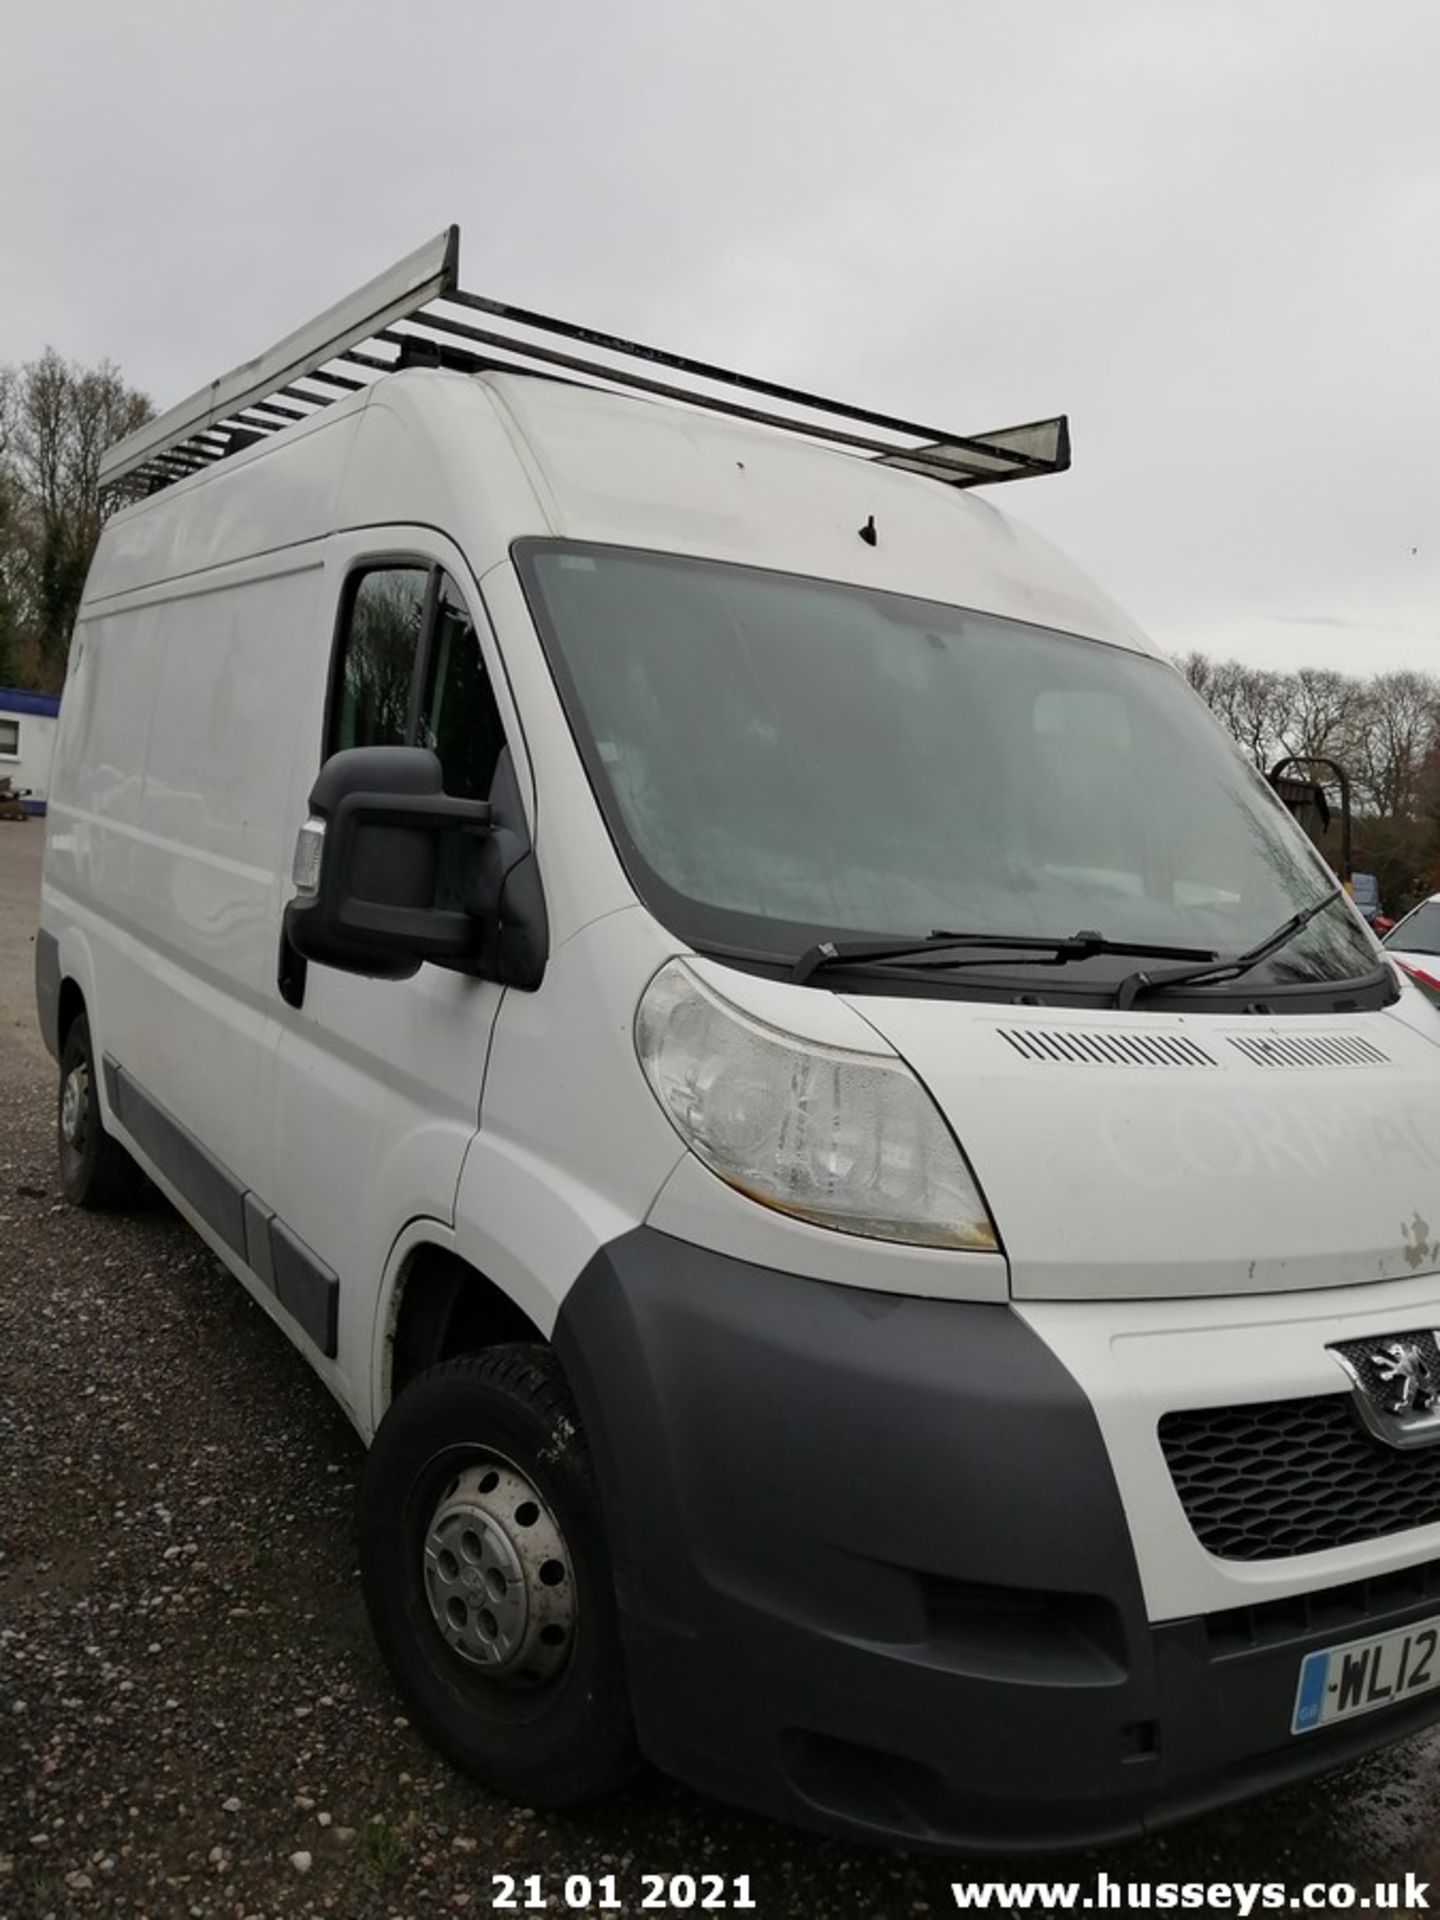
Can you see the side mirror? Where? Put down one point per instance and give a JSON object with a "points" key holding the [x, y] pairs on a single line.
{"points": [[367, 863]]}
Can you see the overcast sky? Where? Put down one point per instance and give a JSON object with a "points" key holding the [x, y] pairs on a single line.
{"points": [[1207, 229]]}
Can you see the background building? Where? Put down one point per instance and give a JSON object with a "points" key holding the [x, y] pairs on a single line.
{"points": [[27, 742]]}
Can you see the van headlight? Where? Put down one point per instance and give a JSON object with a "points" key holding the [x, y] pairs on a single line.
{"points": [[843, 1139]]}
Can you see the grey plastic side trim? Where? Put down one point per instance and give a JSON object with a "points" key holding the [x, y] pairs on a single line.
{"points": [[47, 990], [306, 1288], [258, 1219], [215, 1194]]}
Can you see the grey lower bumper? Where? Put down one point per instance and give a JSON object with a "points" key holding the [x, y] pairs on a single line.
{"points": [[875, 1575]]}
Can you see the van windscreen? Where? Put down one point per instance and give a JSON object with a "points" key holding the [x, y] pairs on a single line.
{"points": [[782, 760]]}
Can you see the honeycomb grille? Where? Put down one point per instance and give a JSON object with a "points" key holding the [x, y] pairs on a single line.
{"points": [[1284, 1477]]}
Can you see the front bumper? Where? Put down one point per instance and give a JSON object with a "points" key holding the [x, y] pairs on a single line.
{"points": [[875, 1575]]}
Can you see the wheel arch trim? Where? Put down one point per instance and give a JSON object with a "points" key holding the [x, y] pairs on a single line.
{"points": [[412, 1239], [68, 961], [420, 1238], [48, 986]]}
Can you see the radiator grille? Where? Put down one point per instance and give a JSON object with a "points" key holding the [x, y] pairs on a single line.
{"points": [[1339, 1612], [1284, 1477]]}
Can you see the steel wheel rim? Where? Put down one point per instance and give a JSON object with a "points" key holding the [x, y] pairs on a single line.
{"points": [[498, 1577], [74, 1105]]}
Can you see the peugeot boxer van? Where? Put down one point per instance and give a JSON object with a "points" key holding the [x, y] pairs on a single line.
{"points": [[876, 1206]]}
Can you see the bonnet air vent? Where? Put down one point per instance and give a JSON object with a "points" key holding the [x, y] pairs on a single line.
{"points": [[1107, 1049], [1308, 1050]]}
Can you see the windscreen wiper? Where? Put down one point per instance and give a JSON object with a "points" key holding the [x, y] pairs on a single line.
{"points": [[1028, 950], [1135, 984]]}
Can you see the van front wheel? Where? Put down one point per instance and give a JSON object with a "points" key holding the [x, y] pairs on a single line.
{"points": [[483, 1560], [95, 1171]]}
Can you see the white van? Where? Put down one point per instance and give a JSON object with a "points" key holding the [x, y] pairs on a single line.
{"points": [[878, 1206]]}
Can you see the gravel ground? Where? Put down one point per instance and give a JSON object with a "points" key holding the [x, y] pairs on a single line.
{"points": [[192, 1718]]}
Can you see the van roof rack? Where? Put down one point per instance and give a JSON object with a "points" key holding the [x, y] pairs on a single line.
{"points": [[416, 314]]}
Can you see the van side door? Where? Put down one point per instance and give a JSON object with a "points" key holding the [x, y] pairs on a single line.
{"points": [[378, 1082]]}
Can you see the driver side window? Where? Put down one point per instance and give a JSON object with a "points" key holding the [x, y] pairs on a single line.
{"points": [[410, 673], [380, 645], [459, 719]]}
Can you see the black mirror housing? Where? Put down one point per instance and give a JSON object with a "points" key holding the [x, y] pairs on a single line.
{"points": [[368, 863]]}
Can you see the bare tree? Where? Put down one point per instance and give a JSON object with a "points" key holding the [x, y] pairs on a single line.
{"points": [[1252, 703], [1318, 712], [1392, 743], [12, 569], [56, 420], [1385, 732]]}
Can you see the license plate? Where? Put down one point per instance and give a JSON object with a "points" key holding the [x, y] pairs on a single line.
{"points": [[1340, 1682]]}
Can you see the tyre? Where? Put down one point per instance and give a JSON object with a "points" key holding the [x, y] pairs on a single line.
{"points": [[483, 1560], [95, 1171]]}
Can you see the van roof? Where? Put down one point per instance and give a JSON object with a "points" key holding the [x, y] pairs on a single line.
{"points": [[497, 449], [498, 457]]}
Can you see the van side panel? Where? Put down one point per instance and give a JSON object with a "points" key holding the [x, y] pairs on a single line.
{"points": [[271, 497], [99, 770], [171, 836]]}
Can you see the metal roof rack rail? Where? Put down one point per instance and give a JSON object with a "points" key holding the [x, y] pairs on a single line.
{"points": [[414, 315]]}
